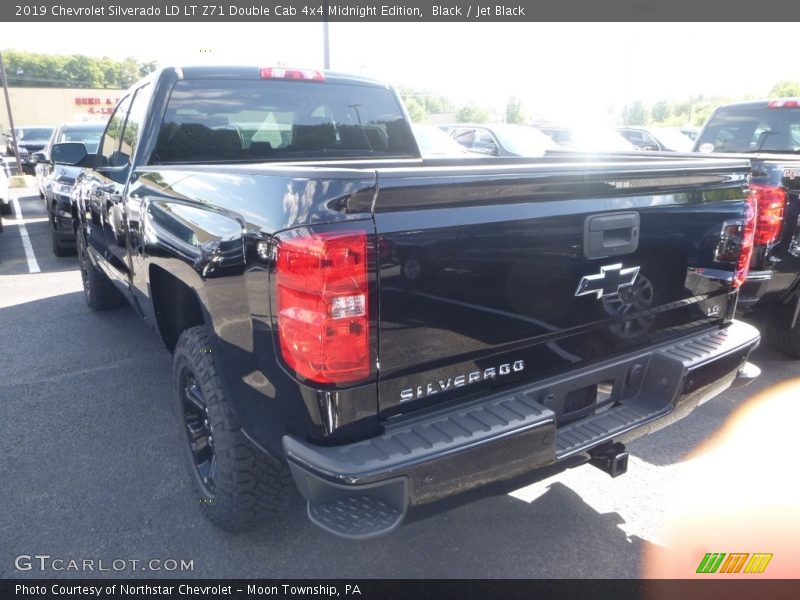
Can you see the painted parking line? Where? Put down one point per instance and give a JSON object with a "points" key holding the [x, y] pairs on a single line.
{"points": [[33, 266]]}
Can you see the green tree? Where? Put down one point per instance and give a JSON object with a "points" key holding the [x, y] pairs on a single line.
{"points": [[433, 104], [785, 89], [416, 110], [129, 72], [31, 69], [514, 112], [636, 114], [472, 114], [661, 111], [81, 71], [429, 102], [146, 68]]}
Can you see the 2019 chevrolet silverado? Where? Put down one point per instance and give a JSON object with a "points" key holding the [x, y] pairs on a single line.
{"points": [[767, 133], [255, 218]]}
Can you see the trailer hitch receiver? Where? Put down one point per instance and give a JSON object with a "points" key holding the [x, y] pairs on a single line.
{"points": [[611, 458]]}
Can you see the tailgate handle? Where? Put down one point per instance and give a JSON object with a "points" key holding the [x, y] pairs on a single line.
{"points": [[610, 235]]}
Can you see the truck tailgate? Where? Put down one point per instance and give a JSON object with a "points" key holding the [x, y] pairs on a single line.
{"points": [[494, 275]]}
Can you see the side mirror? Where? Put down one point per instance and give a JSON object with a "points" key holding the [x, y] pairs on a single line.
{"points": [[69, 153], [39, 157]]}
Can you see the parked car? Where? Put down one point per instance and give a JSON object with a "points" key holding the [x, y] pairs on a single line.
{"points": [[660, 139], [586, 138], [499, 139], [578, 303], [690, 131], [87, 132], [8, 168], [55, 182], [435, 143], [767, 132], [30, 139]]}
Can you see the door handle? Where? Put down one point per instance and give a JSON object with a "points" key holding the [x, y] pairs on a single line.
{"points": [[611, 234]]}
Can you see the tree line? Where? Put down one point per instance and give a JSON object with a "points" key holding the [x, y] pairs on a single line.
{"points": [[662, 113], [31, 69]]}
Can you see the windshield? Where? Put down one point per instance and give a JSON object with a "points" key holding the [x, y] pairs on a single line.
{"points": [[523, 141], [269, 120], [34, 133], [89, 135], [673, 139], [751, 129], [589, 138], [432, 141], [599, 139]]}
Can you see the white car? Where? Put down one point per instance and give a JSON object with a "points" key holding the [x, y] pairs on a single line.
{"points": [[435, 143], [8, 167]]}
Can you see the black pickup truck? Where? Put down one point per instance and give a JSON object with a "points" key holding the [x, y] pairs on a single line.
{"points": [[767, 132], [383, 330]]}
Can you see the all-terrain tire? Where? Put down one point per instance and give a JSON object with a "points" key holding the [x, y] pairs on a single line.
{"points": [[99, 292], [786, 341], [248, 487]]}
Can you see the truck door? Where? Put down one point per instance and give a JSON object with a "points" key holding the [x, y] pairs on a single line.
{"points": [[104, 236], [109, 235]]}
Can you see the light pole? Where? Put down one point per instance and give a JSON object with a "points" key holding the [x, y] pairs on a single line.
{"points": [[326, 51], [10, 116]]}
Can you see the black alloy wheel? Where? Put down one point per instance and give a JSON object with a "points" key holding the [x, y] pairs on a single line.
{"points": [[198, 429]]}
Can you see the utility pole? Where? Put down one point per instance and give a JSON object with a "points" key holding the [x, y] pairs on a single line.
{"points": [[326, 51], [10, 116]]}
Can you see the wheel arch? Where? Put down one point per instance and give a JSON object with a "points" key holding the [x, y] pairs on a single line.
{"points": [[176, 305]]}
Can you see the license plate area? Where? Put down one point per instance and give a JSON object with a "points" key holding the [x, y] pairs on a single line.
{"points": [[583, 401], [592, 393]]}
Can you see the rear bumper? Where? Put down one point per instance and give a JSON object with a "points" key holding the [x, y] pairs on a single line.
{"points": [[365, 488]]}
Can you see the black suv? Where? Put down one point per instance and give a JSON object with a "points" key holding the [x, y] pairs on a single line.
{"points": [[29, 140]]}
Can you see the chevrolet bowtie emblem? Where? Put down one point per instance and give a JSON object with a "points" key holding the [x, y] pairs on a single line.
{"points": [[609, 281]]}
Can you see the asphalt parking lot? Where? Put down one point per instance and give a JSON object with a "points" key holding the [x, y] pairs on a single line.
{"points": [[93, 469]]}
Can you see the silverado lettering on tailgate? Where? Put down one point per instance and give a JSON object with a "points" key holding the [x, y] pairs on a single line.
{"points": [[435, 387]]}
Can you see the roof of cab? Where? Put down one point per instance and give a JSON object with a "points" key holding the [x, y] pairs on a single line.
{"points": [[756, 103], [253, 72]]}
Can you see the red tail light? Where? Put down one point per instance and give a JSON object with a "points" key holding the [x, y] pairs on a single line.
{"points": [[323, 312], [748, 233], [771, 200]]}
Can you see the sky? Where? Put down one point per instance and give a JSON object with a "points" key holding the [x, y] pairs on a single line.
{"points": [[556, 69]]}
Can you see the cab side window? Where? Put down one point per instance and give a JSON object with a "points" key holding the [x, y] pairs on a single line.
{"points": [[108, 154], [133, 124]]}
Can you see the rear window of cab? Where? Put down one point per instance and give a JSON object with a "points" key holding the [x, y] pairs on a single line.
{"points": [[213, 120]]}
